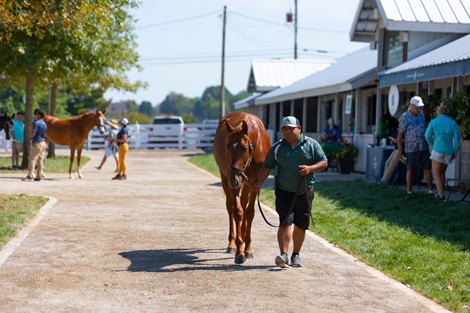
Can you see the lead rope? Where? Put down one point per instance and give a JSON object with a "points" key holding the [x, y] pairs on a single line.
{"points": [[291, 208]]}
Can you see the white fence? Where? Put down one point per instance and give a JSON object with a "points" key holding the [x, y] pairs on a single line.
{"points": [[144, 136]]}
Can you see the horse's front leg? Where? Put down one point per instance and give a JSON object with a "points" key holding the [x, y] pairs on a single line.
{"points": [[244, 202], [249, 215], [72, 155], [239, 240], [79, 157], [229, 206]]}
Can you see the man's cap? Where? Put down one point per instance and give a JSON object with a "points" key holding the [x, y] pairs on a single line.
{"points": [[124, 121], [417, 102], [290, 121]]}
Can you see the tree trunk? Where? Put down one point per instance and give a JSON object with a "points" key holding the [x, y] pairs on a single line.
{"points": [[52, 109], [28, 118]]}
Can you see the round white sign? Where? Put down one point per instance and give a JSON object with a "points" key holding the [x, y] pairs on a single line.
{"points": [[393, 99]]}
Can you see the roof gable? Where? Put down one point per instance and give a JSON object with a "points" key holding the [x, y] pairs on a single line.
{"points": [[449, 16], [269, 74]]}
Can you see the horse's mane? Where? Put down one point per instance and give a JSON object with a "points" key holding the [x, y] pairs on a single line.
{"points": [[73, 118]]}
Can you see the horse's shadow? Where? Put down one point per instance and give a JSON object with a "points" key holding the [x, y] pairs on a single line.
{"points": [[176, 260]]}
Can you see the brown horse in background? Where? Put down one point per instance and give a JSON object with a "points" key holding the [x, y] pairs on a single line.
{"points": [[74, 132], [240, 147]]}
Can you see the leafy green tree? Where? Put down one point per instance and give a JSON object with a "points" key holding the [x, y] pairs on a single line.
{"points": [[177, 104], [146, 107], [49, 42]]}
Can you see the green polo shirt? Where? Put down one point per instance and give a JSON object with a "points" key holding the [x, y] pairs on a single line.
{"points": [[287, 159]]}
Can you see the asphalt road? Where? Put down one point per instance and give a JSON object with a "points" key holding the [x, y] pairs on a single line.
{"points": [[156, 243]]}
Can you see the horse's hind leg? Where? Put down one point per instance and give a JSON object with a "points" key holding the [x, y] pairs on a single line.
{"points": [[229, 205], [72, 156], [79, 157]]}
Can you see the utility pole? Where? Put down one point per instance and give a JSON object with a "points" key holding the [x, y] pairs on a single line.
{"points": [[295, 30], [222, 83]]}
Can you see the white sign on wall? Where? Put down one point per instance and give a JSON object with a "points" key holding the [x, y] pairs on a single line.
{"points": [[393, 100], [347, 108]]}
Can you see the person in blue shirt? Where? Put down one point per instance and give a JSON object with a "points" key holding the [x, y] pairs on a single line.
{"points": [[443, 134], [38, 138], [411, 129], [331, 133], [17, 140], [123, 148]]}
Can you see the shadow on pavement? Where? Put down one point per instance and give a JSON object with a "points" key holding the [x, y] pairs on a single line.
{"points": [[176, 260]]}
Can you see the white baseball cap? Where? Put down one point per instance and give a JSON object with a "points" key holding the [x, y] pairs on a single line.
{"points": [[124, 121], [290, 121], [417, 102]]}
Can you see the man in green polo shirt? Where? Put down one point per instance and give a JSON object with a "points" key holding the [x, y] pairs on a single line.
{"points": [[297, 158]]}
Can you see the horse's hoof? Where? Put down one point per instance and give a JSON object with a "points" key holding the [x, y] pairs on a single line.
{"points": [[249, 255], [240, 259], [230, 250]]}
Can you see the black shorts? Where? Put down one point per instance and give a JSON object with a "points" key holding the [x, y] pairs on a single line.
{"points": [[300, 214], [413, 159]]}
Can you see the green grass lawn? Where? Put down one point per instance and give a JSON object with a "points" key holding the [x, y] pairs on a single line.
{"points": [[422, 243], [59, 164], [15, 211]]}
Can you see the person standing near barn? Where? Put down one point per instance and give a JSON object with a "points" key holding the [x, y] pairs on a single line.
{"points": [[411, 128], [123, 148], [297, 157], [443, 134]]}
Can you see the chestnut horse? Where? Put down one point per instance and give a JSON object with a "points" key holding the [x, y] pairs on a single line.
{"points": [[240, 147], [6, 123], [73, 132]]}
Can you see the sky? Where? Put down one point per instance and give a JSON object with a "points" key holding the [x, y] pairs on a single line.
{"points": [[180, 41]]}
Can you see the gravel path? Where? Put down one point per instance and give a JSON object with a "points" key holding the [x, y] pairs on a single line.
{"points": [[156, 242]]}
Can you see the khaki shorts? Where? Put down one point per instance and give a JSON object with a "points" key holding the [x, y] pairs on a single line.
{"points": [[17, 147]]}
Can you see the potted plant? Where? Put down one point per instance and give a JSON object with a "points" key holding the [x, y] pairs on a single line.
{"points": [[346, 157]]}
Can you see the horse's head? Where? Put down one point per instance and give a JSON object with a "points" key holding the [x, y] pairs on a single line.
{"points": [[100, 120], [6, 123], [240, 152]]}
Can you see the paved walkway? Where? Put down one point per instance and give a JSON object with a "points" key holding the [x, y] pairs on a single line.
{"points": [[156, 242]]}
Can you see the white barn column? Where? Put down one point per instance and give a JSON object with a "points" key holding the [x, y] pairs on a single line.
{"points": [[335, 109], [357, 112], [378, 113], [304, 113], [319, 128]]}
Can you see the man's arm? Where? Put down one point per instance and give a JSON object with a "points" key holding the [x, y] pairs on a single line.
{"points": [[400, 145], [317, 167]]}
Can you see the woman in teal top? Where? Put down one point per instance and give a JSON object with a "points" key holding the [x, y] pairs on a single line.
{"points": [[443, 134]]}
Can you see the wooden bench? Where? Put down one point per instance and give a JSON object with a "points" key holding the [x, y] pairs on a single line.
{"points": [[465, 182]]}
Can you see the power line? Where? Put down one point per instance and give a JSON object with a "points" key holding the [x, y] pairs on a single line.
{"points": [[208, 54], [248, 54], [284, 25], [181, 20]]}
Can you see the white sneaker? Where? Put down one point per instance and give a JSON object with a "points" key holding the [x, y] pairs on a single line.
{"points": [[282, 261]]}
